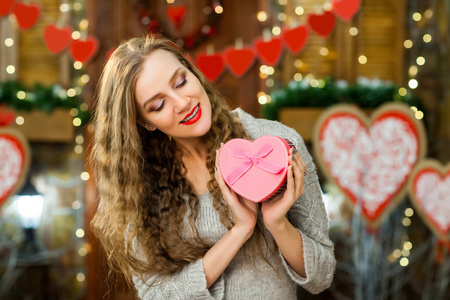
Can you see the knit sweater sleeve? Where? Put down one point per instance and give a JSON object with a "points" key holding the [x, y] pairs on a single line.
{"points": [[307, 214], [189, 283]]}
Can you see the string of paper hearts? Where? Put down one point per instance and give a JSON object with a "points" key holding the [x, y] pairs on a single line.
{"points": [[269, 49], [26, 14], [57, 37]]}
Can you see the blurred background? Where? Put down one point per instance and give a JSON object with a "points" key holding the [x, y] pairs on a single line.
{"points": [[285, 60]]}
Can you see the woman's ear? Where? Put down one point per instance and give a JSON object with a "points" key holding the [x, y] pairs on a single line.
{"points": [[147, 126]]}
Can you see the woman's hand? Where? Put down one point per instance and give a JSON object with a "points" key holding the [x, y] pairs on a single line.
{"points": [[275, 210], [245, 212]]}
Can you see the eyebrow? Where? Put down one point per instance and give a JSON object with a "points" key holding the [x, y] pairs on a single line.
{"points": [[172, 78]]}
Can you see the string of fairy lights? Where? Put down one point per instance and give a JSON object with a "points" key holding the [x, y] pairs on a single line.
{"points": [[267, 73], [420, 38], [417, 41], [76, 9]]}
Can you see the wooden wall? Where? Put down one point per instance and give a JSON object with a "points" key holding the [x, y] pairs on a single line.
{"points": [[36, 63]]}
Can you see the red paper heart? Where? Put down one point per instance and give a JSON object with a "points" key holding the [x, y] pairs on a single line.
{"points": [[430, 194], [210, 65], [176, 13], [269, 51], [83, 50], [6, 118], [5, 7], [371, 166], [345, 9], [295, 38], [239, 60], [322, 24], [57, 39], [26, 15], [14, 162], [109, 52]]}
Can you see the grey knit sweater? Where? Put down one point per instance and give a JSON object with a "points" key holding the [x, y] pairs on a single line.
{"points": [[242, 279]]}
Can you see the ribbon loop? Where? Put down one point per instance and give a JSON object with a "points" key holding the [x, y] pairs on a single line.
{"points": [[250, 160]]}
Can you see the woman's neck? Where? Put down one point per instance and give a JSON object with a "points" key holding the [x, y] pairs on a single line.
{"points": [[192, 149]]}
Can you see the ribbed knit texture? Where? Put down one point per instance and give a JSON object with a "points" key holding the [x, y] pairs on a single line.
{"points": [[242, 279]]}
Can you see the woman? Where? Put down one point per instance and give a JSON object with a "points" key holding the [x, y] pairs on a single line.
{"points": [[166, 218]]}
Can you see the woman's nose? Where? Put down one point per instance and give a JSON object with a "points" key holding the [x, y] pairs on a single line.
{"points": [[181, 103]]}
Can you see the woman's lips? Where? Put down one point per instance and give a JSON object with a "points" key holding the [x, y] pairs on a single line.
{"points": [[193, 116]]}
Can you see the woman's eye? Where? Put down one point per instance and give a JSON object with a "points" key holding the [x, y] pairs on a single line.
{"points": [[159, 105], [181, 81]]}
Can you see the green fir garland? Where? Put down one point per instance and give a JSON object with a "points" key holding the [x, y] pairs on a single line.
{"points": [[365, 94], [45, 98]]}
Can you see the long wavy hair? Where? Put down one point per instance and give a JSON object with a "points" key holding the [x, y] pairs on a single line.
{"points": [[140, 175]]}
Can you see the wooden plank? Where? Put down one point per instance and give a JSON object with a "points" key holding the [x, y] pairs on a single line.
{"points": [[301, 119], [42, 127]]}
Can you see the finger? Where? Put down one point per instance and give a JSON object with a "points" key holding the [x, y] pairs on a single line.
{"points": [[290, 188]]}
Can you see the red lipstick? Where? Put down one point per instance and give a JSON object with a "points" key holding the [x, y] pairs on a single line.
{"points": [[193, 116]]}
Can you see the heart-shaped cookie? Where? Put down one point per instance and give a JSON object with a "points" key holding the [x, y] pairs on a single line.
{"points": [[14, 162], [255, 169], [370, 160], [429, 189]]}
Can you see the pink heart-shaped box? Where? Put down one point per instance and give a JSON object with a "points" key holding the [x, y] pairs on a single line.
{"points": [[257, 169]]}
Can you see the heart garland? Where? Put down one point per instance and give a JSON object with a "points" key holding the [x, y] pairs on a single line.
{"points": [[83, 50], [429, 189], [211, 65], [239, 60], [14, 162], [370, 160], [57, 39], [26, 15], [345, 9], [5, 7]]}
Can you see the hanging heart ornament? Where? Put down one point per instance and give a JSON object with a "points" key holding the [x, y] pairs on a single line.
{"points": [[26, 15], [84, 50], [295, 38], [211, 66], [345, 9], [322, 24], [5, 7], [14, 162], [269, 51], [56, 38], [430, 193], [370, 160], [239, 60]]}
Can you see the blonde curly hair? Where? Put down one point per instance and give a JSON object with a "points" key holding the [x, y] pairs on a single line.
{"points": [[140, 175]]}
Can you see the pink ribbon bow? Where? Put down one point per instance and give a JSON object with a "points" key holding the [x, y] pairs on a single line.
{"points": [[250, 160]]}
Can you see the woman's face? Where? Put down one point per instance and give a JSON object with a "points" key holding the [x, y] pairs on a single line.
{"points": [[170, 98]]}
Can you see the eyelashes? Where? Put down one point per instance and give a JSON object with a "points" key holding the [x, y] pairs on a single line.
{"points": [[181, 81], [160, 106]]}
